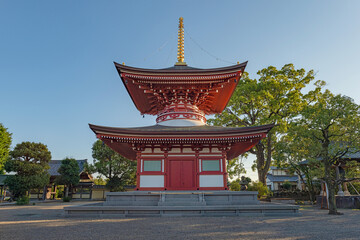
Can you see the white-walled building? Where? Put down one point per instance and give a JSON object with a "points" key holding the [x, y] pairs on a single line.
{"points": [[276, 177]]}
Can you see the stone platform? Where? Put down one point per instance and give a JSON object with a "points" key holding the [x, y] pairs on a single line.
{"points": [[352, 202], [182, 203]]}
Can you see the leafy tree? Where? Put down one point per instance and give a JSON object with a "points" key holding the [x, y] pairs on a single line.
{"points": [[119, 170], [30, 161], [290, 153], [99, 181], [69, 174], [235, 168], [331, 127], [5, 142], [275, 98]]}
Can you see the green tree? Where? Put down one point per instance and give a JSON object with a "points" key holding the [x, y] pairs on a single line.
{"points": [[291, 152], [99, 181], [30, 162], [331, 127], [275, 98], [69, 174], [235, 168], [5, 142], [119, 170]]}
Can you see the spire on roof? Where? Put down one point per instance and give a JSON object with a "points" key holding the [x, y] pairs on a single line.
{"points": [[180, 53]]}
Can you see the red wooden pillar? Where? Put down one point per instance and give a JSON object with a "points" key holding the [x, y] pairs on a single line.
{"points": [[138, 169], [197, 173], [166, 175], [225, 174]]}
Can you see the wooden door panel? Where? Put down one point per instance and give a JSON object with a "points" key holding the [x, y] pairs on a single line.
{"points": [[187, 174], [182, 175], [175, 174]]}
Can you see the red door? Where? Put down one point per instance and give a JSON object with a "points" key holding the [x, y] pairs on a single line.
{"points": [[181, 175]]}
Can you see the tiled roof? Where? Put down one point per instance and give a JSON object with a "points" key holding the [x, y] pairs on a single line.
{"points": [[273, 178], [275, 168], [166, 130], [55, 165], [346, 157], [2, 179], [185, 70]]}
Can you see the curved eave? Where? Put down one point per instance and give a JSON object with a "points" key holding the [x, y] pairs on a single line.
{"points": [[179, 76], [239, 140], [180, 70], [189, 132]]}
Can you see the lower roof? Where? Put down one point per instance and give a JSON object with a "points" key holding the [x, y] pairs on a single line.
{"points": [[167, 131], [238, 139]]}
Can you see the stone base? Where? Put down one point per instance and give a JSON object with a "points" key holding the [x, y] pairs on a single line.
{"points": [[184, 203], [352, 202], [283, 200], [182, 198]]}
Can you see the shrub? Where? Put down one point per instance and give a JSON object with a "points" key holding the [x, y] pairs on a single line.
{"points": [[261, 188], [60, 191], [286, 185], [235, 185], [66, 199], [23, 200]]}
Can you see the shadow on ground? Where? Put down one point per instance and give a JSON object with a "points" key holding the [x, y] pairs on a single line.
{"points": [[46, 221]]}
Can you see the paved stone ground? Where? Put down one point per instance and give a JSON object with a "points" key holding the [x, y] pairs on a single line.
{"points": [[46, 221]]}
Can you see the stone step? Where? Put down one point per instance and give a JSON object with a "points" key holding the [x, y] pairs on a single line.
{"points": [[224, 210], [181, 203]]}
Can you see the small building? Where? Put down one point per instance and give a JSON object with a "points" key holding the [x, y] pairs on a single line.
{"points": [[3, 188], [80, 191], [276, 177]]}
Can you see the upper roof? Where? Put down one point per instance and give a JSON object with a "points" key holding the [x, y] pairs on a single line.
{"points": [[180, 70], [55, 165], [208, 89]]}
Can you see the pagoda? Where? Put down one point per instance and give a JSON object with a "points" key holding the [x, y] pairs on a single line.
{"points": [[181, 152]]}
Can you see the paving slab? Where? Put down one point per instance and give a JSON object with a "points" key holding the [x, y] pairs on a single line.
{"points": [[46, 221]]}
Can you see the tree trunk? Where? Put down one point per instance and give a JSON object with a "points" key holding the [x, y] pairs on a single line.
{"points": [[44, 193], [328, 176], [310, 187], [331, 188], [263, 160], [66, 191], [260, 161]]}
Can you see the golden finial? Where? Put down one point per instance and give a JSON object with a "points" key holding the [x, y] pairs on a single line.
{"points": [[180, 53]]}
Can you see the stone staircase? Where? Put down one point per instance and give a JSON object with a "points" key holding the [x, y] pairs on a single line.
{"points": [[182, 203]]}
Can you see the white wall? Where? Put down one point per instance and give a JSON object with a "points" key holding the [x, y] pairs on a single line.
{"points": [[211, 181], [151, 181]]}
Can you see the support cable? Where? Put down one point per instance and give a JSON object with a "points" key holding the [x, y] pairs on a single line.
{"points": [[204, 50]]}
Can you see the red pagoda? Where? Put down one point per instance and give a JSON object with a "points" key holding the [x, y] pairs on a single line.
{"points": [[181, 152]]}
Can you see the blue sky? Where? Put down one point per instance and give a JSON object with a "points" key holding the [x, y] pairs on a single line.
{"points": [[56, 57]]}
